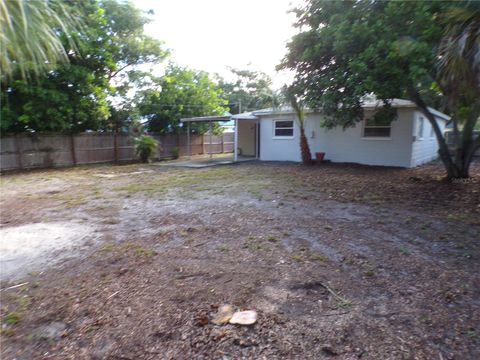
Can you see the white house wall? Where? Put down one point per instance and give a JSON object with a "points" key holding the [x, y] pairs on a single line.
{"points": [[272, 149], [341, 145], [424, 148]]}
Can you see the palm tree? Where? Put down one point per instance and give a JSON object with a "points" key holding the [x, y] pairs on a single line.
{"points": [[31, 34], [290, 95], [459, 78]]}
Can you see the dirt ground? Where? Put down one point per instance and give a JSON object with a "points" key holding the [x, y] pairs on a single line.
{"points": [[340, 261]]}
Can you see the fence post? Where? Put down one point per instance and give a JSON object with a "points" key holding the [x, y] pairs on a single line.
{"points": [[72, 149], [19, 152], [203, 144], [115, 146], [223, 146]]}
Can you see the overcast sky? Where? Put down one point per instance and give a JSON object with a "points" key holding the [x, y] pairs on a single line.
{"points": [[211, 35]]}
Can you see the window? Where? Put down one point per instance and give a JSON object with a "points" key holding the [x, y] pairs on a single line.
{"points": [[432, 133], [421, 121], [283, 128], [377, 128]]}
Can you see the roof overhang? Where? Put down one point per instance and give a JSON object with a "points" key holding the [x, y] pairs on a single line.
{"points": [[206, 119], [244, 116]]}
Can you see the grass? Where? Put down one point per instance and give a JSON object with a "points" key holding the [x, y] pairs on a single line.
{"points": [[223, 248], [129, 247], [272, 238], [12, 318], [405, 251]]}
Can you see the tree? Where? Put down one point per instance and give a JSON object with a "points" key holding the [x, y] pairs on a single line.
{"points": [[130, 47], [75, 96], [351, 49], [291, 96], [180, 93], [33, 36], [71, 97], [459, 73], [252, 89]]}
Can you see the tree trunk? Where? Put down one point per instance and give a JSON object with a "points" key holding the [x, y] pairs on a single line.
{"points": [[304, 147], [458, 164]]}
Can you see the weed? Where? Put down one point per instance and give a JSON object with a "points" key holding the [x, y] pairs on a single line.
{"points": [[24, 302], [344, 304], [7, 331], [12, 318], [254, 246], [328, 227], [473, 334], [405, 251], [298, 258], [318, 257], [272, 238], [223, 248], [108, 247], [369, 273], [425, 226], [140, 251], [286, 233], [425, 319]]}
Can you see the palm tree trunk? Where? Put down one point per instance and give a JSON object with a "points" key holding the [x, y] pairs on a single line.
{"points": [[304, 147]]}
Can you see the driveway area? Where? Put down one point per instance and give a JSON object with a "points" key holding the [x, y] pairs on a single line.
{"points": [[340, 262]]}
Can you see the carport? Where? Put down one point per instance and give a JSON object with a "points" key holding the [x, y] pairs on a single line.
{"points": [[246, 138]]}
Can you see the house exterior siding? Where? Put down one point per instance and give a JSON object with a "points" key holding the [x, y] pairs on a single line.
{"points": [[425, 148], [277, 149]]}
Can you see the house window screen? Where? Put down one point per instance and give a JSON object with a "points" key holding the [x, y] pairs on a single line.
{"points": [[377, 128], [283, 128]]}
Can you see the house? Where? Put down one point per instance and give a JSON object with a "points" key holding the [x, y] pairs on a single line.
{"points": [[273, 135]]}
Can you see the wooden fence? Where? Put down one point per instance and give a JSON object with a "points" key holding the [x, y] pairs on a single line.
{"points": [[54, 150], [449, 136]]}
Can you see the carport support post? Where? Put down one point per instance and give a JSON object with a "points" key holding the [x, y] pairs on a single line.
{"points": [[210, 147], [235, 140]]}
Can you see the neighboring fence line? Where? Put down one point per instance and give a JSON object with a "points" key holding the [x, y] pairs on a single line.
{"points": [[450, 139], [54, 150]]}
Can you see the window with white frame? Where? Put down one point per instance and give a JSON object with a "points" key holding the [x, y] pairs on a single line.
{"points": [[283, 128], [420, 125], [377, 128]]}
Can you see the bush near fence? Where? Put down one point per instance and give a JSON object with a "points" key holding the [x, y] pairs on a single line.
{"points": [[28, 151]]}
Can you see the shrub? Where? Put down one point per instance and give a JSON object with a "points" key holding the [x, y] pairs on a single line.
{"points": [[175, 152], [145, 147]]}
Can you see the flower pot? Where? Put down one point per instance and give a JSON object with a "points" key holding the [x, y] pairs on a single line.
{"points": [[319, 156]]}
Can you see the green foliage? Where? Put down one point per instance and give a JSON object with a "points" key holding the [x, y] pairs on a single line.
{"points": [[354, 49], [12, 318], [74, 96], [350, 50], [145, 147], [175, 152], [252, 88], [180, 93], [31, 42]]}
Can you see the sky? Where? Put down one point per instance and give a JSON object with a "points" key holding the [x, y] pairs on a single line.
{"points": [[212, 35]]}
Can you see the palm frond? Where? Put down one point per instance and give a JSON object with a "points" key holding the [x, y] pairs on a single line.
{"points": [[31, 41]]}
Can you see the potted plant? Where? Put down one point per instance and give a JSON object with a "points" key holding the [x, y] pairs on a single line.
{"points": [[319, 156]]}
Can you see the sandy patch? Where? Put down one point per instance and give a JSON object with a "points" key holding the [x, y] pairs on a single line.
{"points": [[32, 247]]}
